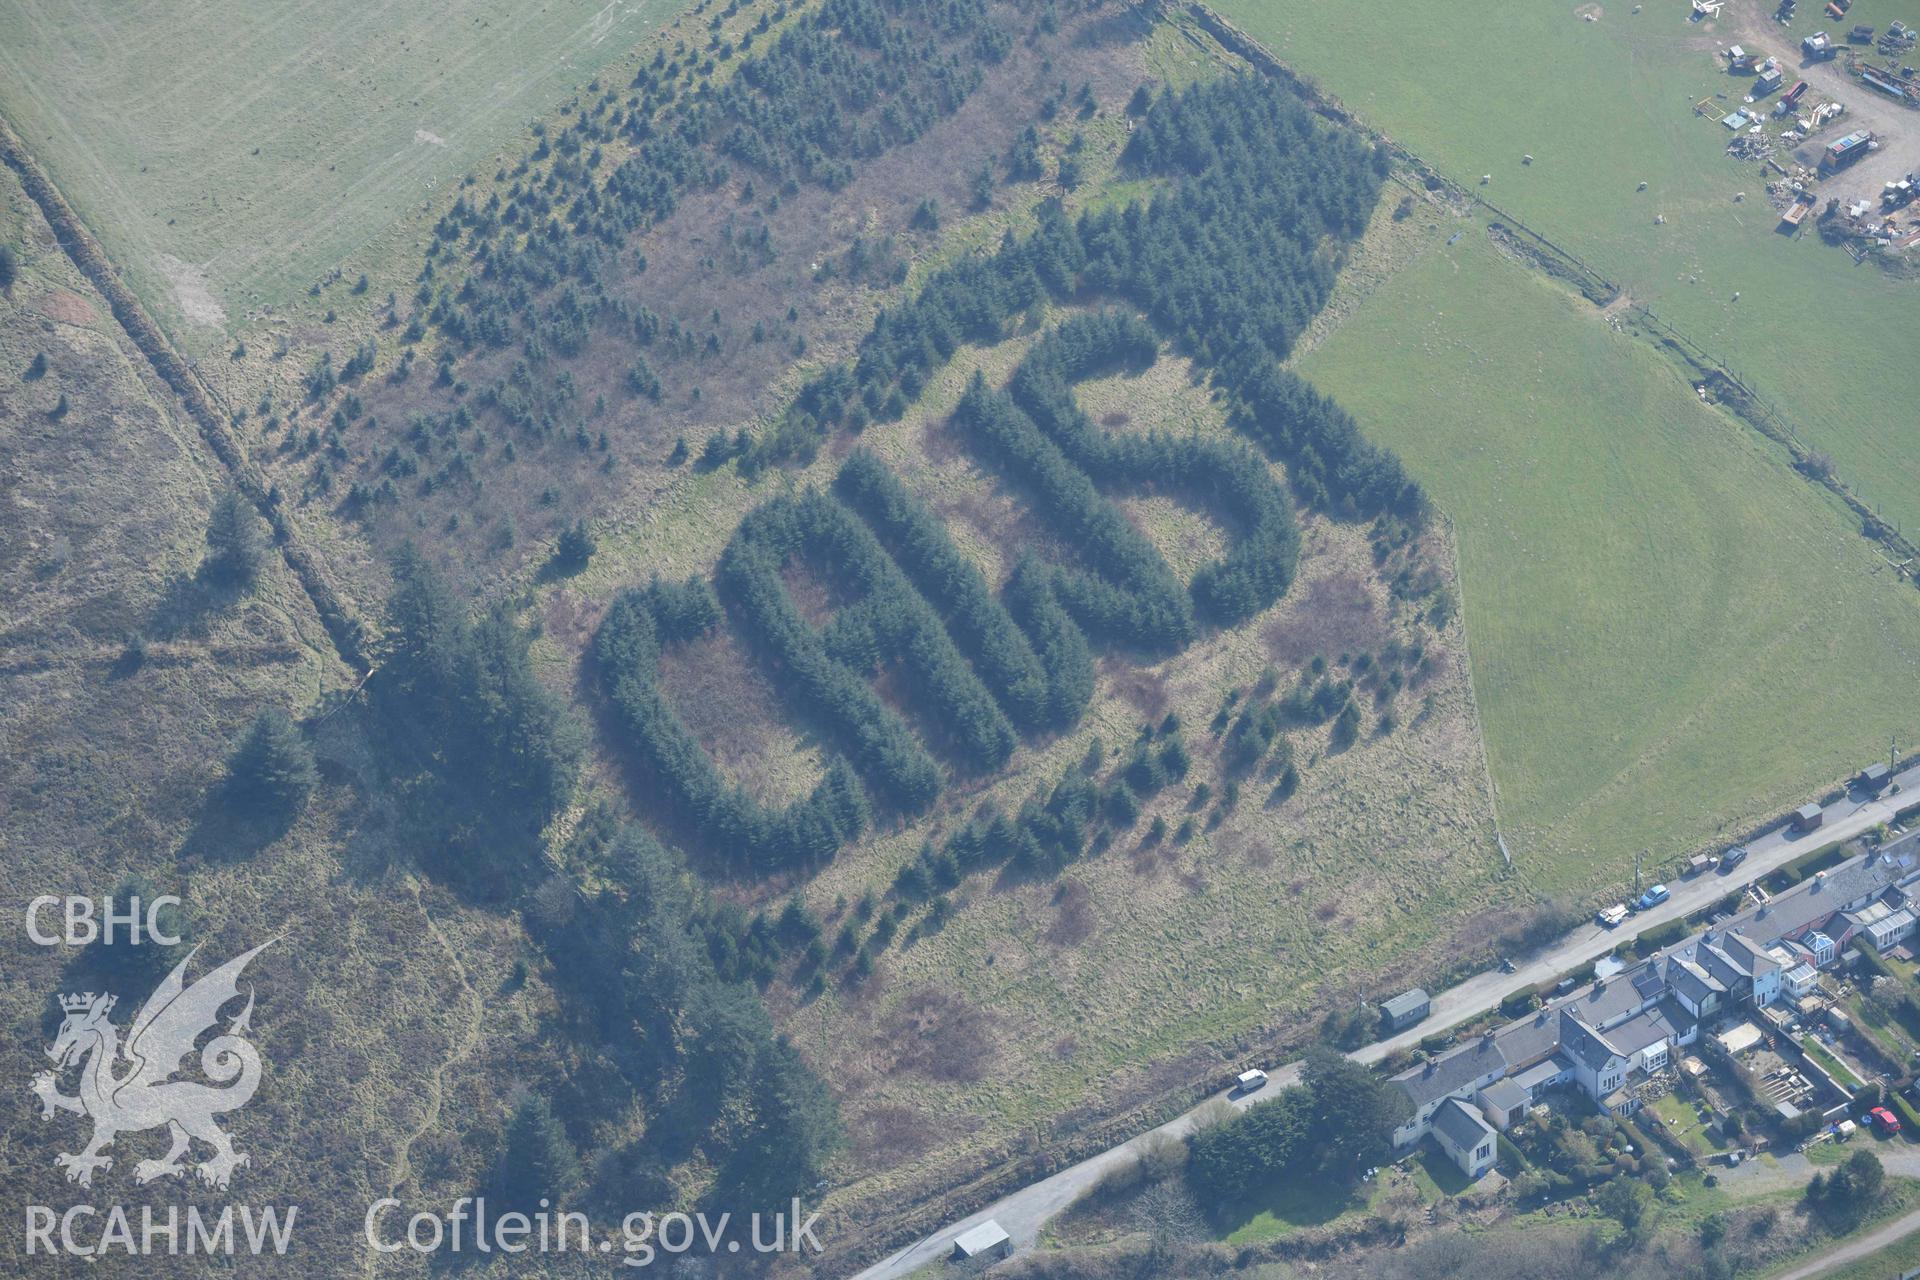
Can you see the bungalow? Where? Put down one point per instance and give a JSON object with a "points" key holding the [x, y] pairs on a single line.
{"points": [[1464, 1134]]}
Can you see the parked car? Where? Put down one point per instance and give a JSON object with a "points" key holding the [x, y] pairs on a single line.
{"points": [[1610, 917], [1884, 1121], [1652, 897], [1248, 1081], [1732, 858]]}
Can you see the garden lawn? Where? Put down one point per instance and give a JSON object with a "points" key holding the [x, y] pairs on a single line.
{"points": [[1827, 1058]]}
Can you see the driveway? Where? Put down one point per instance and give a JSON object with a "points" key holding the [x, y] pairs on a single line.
{"points": [[1023, 1213]]}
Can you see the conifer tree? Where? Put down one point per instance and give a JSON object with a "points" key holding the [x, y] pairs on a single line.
{"points": [[271, 772], [236, 544]]}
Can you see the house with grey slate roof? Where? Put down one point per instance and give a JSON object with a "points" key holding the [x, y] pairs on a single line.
{"points": [[1465, 1135], [1610, 1037]]}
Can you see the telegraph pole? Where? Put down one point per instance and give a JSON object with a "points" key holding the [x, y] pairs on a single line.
{"points": [[1636, 871]]}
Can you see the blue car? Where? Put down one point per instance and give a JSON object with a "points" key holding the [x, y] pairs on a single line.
{"points": [[1652, 897]]}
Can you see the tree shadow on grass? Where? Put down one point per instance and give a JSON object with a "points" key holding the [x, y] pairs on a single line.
{"points": [[187, 602], [1445, 1173], [1293, 1202], [222, 833]]}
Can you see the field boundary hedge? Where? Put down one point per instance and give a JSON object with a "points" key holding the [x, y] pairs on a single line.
{"points": [[344, 626]]}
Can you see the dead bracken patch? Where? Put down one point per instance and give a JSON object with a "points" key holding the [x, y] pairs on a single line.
{"points": [[1006, 524], [812, 594], [889, 1134], [65, 307], [570, 621], [1073, 920], [939, 1034], [727, 703], [1145, 690], [1334, 615], [1254, 849]]}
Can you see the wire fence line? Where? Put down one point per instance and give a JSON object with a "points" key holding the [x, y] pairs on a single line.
{"points": [[1747, 402]]}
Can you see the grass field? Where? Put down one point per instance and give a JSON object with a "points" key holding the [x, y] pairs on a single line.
{"points": [[230, 154], [1603, 106], [1673, 634], [1299, 1203]]}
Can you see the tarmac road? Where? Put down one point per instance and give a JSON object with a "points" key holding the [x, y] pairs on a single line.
{"points": [[1857, 1248], [1793, 1170], [1023, 1213]]}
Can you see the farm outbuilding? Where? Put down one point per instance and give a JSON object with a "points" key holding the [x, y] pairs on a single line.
{"points": [[988, 1240], [1405, 1009], [1807, 817]]}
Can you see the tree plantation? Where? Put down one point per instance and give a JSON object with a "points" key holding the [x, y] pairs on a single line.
{"points": [[915, 671], [985, 667]]}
